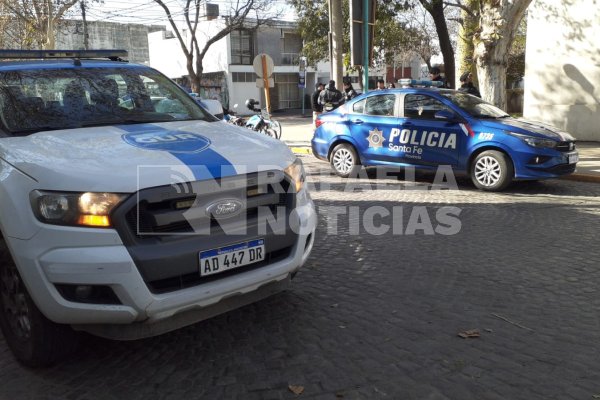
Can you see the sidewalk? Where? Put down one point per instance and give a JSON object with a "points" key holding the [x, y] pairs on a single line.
{"points": [[297, 133]]}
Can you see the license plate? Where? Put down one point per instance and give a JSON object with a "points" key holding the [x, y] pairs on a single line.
{"points": [[227, 258], [573, 158]]}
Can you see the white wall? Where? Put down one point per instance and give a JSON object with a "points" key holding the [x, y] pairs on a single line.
{"points": [[167, 56], [562, 73]]}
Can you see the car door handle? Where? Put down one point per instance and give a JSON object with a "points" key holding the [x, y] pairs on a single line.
{"points": [[407, 124], [357, 121]]}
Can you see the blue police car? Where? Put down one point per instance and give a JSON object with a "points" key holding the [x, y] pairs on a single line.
{"points": [[425, 127]]}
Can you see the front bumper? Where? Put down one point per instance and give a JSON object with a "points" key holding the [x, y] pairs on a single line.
{"points": [[541, 164], [98, 257]]}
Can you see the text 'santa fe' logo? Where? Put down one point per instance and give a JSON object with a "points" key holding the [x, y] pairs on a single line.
{"points": [[171, 141]]}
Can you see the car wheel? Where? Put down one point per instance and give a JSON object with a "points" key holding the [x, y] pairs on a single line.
{"points": [[344, 160], [492, 170], [34, 340]]}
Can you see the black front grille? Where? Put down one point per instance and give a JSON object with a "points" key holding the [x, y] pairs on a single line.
{"points": [[166, 228], [562, 169], [565, 146], [169, 213]]}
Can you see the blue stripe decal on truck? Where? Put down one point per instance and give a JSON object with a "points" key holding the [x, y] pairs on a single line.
{"points": [[192, 149]]}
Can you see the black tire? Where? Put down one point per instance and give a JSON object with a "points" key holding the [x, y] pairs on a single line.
{"points": [[492, 170], [344, 160], [34, 340], [276, 126]]}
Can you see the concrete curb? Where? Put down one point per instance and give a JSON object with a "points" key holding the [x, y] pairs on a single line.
{"points": [[301, 149], [582, 178]]}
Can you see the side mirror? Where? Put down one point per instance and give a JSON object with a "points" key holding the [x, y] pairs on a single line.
{"points": [[446, 115]]}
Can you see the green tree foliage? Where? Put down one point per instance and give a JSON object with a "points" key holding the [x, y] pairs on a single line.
{"points": [[391, 35]]}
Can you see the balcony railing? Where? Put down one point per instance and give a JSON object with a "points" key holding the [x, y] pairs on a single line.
{"points": [[290, 59]]}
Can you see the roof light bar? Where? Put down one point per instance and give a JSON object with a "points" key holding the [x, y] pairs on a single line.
{"points": [[415, 82], [115, 55]]}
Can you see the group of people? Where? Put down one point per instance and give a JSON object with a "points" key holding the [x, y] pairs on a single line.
{"points": [[328, 97], [466, 81]]}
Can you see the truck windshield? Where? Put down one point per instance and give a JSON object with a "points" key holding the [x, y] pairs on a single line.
{"points": [[54, 98]]}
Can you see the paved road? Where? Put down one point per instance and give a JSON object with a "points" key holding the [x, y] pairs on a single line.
{"points": [[377, 317]]}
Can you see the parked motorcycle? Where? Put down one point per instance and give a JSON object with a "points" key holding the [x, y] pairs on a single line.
{"points": [[233, 119], [262, 121]]}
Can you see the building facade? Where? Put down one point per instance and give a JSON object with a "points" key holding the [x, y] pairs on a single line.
{"points": [[562, 66], [108, 35], [229, 74]]}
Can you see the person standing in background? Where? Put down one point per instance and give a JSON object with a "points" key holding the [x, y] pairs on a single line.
{"points": [[316, 107], [349, 92], [466, 85]]}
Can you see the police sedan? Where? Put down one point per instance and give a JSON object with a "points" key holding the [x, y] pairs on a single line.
{"points": [[425, 127]]}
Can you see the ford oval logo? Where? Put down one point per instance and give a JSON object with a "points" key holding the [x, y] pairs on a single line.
{"points": [[225, 208]]}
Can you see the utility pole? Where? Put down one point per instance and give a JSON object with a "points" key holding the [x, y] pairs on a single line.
{"points": [[365, 46], [85, 30], [335, 41]]}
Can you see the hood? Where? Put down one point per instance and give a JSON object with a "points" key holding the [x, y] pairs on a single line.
{"points": [[526, 127], [126, 158]]}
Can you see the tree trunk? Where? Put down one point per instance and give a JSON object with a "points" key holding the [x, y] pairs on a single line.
{"points": [[498, 22], [50, 40], [436, 9], [465, 47]]}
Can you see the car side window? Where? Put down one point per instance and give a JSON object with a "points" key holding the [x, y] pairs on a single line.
{"points": [[421, 106], [359, 107], [382, 104]]}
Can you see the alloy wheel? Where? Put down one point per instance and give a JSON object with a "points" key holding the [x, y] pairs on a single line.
{"points": [[343, 161], [488, 171]]}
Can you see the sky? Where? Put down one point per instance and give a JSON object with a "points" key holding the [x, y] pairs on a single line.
{"points": [[147, 12]]}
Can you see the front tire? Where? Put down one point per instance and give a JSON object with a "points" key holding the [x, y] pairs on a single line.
{"points": [[344, 160], [34, 340], [492, 171], [276, 127]]}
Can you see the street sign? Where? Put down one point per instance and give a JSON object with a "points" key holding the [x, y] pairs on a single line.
{"points": [[301, 80], [260, 83], [258, 65]]}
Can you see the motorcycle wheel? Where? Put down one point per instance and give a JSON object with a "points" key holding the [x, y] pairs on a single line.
{"points": [[276, 127]]}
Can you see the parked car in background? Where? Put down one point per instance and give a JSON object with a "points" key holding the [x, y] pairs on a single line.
{"points": [[426, 127]]}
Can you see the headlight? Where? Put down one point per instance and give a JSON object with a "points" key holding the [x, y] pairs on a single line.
{"points": [[76, 209], [535, 141], [296, 173]]}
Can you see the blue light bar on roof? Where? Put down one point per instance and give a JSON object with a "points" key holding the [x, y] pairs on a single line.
{"points": [[43, 54], [424, 83]]}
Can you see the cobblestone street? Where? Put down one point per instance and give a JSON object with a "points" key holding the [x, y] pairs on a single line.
{"points": [[377, 316]]}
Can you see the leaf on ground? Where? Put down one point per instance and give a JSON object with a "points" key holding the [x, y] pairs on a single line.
{"points": [[471, 333], [296, 389]]}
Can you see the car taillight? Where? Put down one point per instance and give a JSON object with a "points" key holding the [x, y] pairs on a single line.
{"points": [[318, 122]]}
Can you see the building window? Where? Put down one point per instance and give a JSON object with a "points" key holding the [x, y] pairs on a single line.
{"points": [[243, 77], [242, 47]]}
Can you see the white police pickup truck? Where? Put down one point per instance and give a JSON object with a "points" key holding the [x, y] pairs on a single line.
{"points": [[125, 218]]}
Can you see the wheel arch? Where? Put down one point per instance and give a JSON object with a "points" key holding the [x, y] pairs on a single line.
{"points": [[340, 140], [487, 147]]}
